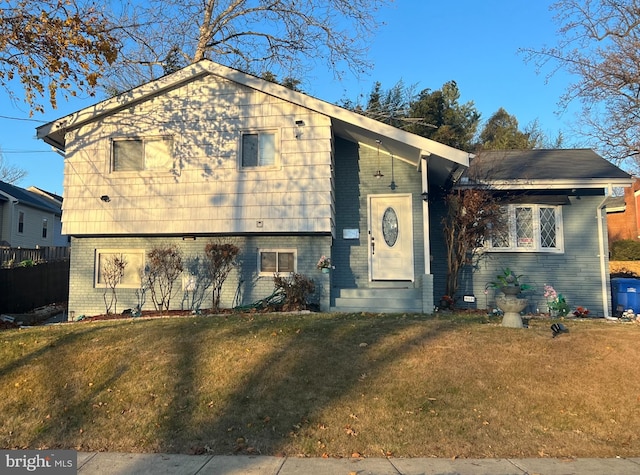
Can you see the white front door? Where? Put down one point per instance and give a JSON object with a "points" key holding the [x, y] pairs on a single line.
{"points": [[390, 237]]}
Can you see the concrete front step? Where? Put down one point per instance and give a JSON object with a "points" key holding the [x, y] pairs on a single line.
{"points": [[378, 300]]}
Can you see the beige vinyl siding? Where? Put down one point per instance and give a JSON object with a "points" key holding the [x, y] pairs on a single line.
{"points": [[32, 230], [206, 190]]}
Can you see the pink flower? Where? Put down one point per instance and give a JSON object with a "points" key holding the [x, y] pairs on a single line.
{"points": [[549, 292]]}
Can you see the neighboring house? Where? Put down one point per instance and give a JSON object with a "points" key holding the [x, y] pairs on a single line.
{"points": [[28, 219], [210, 152], [623, 218], [59, 239]]}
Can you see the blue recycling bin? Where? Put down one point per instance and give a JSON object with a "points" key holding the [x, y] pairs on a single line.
{"points": [[624, 294]]}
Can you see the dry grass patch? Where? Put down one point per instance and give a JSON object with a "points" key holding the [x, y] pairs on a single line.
{"points": [[332, 385]]}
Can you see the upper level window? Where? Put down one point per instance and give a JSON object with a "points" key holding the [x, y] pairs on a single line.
{"points": [[44, 228], [530, 228], [148, 153], [21, 222], [258, 149]]}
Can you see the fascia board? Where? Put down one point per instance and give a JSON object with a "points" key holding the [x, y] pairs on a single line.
{"points": [[548, 184], [423, 145], [9, 197], [118, 102]]}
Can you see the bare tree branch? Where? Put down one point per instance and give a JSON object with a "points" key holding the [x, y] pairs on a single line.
{"points": [[286, 37], [599, 44]]}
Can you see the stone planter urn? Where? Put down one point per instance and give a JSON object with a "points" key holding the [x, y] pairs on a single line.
{"points": [[511, 306], [510, 303]]}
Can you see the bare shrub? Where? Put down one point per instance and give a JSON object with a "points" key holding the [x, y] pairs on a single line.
{"points": [[221, 258], [164, 268], [112, 272], [296, 288], [473, 215], [198, 282]]}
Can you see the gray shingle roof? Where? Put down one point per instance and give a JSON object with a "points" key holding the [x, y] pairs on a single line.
{"points": [[615, 203], [543, 165], [29, 198]]}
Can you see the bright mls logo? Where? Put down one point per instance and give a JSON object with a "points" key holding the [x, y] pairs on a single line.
{"points": [[53, 462]]}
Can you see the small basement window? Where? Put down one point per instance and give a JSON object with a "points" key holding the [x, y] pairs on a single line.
{"points": [[277, 261]]}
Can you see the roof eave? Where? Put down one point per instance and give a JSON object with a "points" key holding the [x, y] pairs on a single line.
{"points": [[53, 132], [550, 184]]}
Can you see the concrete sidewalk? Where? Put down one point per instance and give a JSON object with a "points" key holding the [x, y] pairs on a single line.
{"points": [[172, 464]]}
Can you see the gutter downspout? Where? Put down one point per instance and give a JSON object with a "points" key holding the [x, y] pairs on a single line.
{"points": [[604, 270], [425, 213]]}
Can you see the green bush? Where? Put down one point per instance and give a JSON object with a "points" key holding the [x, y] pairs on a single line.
{"points": [[625, 250]]}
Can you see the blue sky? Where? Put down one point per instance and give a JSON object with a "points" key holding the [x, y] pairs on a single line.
{"points": [[424, 43]]}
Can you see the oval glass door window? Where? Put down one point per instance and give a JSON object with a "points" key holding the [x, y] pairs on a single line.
{"points": [[390, 226]]}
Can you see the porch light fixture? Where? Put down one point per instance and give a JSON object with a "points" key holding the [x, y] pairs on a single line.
{"points": [[425, 196], [392, 185], [105, 198], [378, 174]]}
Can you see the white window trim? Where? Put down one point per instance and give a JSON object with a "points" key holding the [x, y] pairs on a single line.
{"points": [[276, 145], [559, 249], [143, 138], [279, 250], [96, 266]]}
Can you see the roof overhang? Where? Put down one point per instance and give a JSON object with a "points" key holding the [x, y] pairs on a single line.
{"points": [[616, 209], [547, 184], [346, 124]]}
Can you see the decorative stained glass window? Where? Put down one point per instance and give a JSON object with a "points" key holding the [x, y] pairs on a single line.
{"points": [[390, 226], [534, 227]]}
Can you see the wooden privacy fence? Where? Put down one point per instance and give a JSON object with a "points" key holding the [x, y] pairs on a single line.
{"points": [[23, 289], [12, 256]]}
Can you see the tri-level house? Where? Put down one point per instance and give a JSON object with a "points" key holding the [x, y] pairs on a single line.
{"points": [[210, 152]]}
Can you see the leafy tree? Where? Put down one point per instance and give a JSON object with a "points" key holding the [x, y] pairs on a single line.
{"points": [[10, 173], [599, 43], [254, 36], [437, 115], [501, 132], [49, 46], [443, 118], [288, 82], [390, 106]]}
